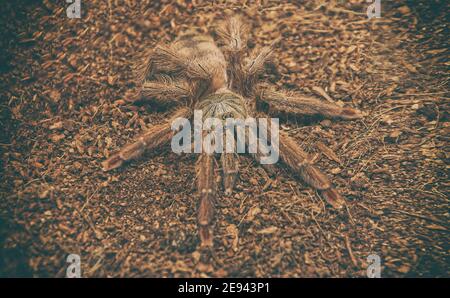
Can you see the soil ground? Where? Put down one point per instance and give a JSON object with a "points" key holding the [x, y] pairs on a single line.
{"points": [[62, 113]]}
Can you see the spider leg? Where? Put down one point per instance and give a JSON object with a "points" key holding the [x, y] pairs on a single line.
{"points": [[260, 154], [163, 59], [154, 73], [233, 38], [229, 160], [299, 104], [151, 139], [230, 169], [169, 61], [206, 187], [255, 65], [163, 91], [143, 66], [298, 160], [232, 35]]}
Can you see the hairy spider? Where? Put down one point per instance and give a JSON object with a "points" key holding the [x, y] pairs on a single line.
{"points": [[221, 80]]}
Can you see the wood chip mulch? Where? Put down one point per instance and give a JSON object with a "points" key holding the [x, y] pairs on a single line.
{"points": [[62, 113]]}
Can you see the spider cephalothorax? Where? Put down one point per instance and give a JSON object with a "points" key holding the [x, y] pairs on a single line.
{"points": [[194, 73]]}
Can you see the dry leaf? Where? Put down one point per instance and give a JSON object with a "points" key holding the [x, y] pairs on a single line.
{"points": [[269, 230]]}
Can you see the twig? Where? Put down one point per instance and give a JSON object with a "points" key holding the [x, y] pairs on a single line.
{"points": [[97, 233], [350, 252], [429, 218], [419, 94]]}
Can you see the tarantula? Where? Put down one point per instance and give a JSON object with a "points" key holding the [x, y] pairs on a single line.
{"points": [[194, 72]]}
